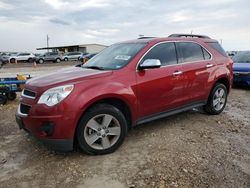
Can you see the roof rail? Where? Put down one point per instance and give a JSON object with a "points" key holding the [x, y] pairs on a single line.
{"points": [[190, 35], [146, 37]]}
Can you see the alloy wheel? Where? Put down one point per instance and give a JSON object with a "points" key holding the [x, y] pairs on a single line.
{"points": [[102, 131], [219, 99]]}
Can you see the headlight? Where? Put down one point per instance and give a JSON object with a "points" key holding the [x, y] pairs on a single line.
{"points": [[55, 95]]}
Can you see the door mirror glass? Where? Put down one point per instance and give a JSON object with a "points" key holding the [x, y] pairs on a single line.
{"points": [[150, 64]]}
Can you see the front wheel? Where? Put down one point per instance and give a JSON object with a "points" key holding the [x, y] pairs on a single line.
{"points": [[101, 130], [217, 99], [40, 61]]}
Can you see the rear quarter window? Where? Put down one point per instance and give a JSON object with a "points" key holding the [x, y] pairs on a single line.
{"points": [[217, 47]]}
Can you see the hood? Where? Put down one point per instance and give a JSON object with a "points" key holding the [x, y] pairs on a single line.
{"points": [[66, 76], [241, 67]]}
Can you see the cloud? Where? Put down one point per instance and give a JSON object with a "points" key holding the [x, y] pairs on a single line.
{"points": [[5, 6], [74, 5], [59, 21], [24, 26]]}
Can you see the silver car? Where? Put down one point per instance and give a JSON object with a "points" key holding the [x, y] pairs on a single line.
{"points": [[72, 56]]}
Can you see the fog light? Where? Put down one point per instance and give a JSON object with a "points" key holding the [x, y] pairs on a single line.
{"points": [[47, 128]]}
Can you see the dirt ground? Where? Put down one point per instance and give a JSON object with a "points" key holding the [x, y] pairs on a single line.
{"points": [[191, 149]]}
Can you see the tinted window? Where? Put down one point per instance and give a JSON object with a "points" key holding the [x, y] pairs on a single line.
{"points": [[206, 54], [164, 52], [242, 57], [217, 46], [190, 51]]}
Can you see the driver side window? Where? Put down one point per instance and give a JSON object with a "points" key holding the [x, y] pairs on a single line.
{"points": [[165, 52]]}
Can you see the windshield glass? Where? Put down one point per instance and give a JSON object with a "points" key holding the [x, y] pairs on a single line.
{"points": [[115, 56], [242, 57]]}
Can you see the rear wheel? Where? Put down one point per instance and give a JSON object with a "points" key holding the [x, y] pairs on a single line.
{"points": [[217, 99], [66, 59], [3, 99], [11, 96], [58, 60], [12, 60], [101, 130]]}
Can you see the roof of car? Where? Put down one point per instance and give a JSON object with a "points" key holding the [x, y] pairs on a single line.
{"points": [[173, 37]]}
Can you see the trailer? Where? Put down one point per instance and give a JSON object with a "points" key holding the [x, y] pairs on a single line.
{"points": [[10, 86]]}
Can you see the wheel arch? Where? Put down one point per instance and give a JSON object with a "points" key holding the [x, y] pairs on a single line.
{"points": [[117, 102]]}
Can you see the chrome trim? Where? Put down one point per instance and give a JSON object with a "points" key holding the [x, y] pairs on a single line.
{"points": [[163, 42], [177, 73], [241, 73], [27, 96], [19, 112], [209, 65]]}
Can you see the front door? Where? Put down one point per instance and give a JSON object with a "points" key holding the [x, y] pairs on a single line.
{"points": [[160, 89]]}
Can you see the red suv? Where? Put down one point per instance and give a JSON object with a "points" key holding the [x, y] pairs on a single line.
{"points": [[129, 83]]}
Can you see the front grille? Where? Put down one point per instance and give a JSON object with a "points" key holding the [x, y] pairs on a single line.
{"points": [[24, 109], [29, 93]]}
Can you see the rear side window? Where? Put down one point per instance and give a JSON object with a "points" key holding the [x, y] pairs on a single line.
{"points": [[165, 52], [217, 46], [192, 52]]}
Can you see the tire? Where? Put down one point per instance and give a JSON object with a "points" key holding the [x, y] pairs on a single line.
{"points": [[3, 99], [30, 60], [66, 59], [40, 61], [104, 139], [58, 60], [11, 96], [217, 99], [12, 60]]}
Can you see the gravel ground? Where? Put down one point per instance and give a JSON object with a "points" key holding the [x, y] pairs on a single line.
{"points": [[191, 149]]}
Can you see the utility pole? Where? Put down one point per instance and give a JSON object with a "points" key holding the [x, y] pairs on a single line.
{"points": [[48, 42]]}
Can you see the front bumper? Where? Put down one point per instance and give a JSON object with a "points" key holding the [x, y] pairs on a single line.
{"points": [[55, 144], [242, 78]]}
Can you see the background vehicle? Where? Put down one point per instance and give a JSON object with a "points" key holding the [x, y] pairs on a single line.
{"points": [[3, 60], [9, 86], [72, 56], [126, 84], [86, 57], [241, 68], [55, 57], [29, 57]]}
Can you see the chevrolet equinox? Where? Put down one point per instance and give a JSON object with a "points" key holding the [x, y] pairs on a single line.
{"points": [[129, 83]]}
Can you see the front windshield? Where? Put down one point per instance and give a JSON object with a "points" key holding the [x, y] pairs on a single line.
{"points": [[242, 57], [115, 56]]}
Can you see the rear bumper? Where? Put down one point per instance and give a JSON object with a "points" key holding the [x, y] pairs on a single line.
{"points": [[57, 144]]}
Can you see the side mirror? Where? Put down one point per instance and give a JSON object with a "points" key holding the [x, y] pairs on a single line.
{"points": [[150, 64]]}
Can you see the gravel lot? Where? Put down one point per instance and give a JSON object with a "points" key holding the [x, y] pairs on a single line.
{"points": [[191, 149]]}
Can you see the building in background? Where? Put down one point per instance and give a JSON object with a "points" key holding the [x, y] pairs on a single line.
{"points": [[85, 48]]}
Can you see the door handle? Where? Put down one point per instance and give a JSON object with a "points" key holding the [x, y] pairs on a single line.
{"points": [[209, 65], [176, 73]]}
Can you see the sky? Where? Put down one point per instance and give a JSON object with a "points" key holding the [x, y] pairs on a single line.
{"points": [[24, 24]]}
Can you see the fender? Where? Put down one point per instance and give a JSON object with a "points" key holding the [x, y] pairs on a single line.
{"points": [[216, 74], [105, 91]]}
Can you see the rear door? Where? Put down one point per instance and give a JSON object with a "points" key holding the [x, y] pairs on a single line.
{"points": [[197, 64], [160, 89]]}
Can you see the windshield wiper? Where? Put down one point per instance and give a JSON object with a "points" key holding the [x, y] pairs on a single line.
{"points": [[93, 67]]}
